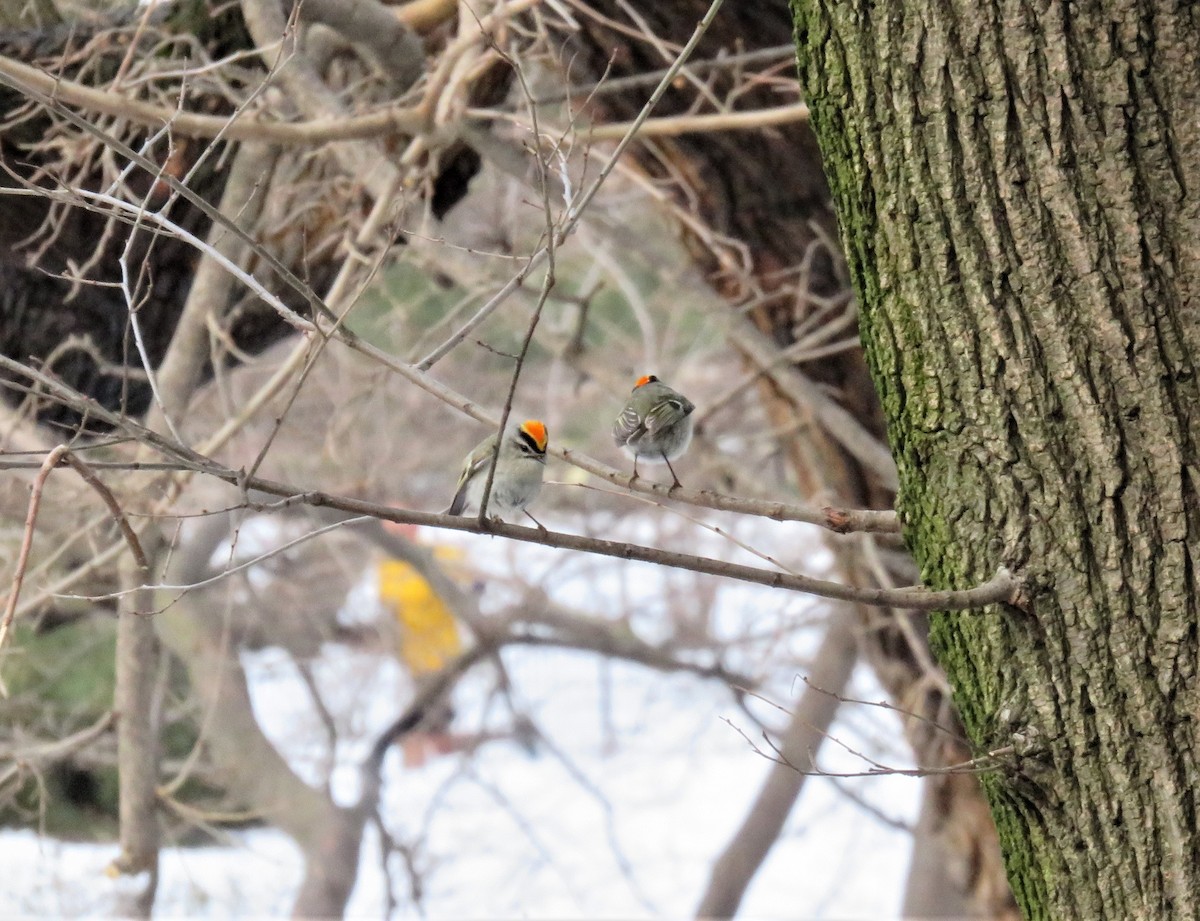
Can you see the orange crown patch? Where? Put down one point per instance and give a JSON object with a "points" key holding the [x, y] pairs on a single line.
{"points": [[536, 430], [642, 381]]}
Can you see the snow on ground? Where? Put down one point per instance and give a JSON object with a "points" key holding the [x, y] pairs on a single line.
{"points": [[647, 777]]}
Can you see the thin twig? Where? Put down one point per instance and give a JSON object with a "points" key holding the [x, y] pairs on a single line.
{"points": [[971, 765], [137, 212], [884, 705], [254, 561], [620, 84], [60, 455], [698, 522], [12, 463], [114, 507], [867, 806]]}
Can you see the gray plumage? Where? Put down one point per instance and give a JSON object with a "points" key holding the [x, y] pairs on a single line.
{"points": [[655, 423]]}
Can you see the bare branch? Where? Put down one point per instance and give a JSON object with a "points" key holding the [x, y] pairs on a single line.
{"points": [[114, 508], [381, 124], [676, 125], [60, 455], [1003, 587]]}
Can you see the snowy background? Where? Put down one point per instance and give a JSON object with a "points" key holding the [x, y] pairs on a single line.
{"points": [[645, 779]]}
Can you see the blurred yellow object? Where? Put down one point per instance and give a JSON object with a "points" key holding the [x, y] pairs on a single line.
{"points": [[428, 635]]}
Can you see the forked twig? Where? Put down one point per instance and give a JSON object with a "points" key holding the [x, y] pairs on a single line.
{"points": [[35, 502], [58, 456]]}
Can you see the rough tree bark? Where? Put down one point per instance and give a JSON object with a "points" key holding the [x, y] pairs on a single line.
{"points": [[1017, 187]]}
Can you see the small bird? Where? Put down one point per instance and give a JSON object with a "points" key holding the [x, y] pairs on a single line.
{"points": [[656, 424], [519, 470]]}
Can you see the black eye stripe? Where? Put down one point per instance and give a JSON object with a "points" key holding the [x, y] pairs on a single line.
{"points": [[529, 443]]}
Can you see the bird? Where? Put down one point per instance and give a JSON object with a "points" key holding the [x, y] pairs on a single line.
{"points": [[655, 424], [519, 470]]}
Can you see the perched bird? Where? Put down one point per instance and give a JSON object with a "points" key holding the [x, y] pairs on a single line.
{"points": [[519, 470], [656, 423]]}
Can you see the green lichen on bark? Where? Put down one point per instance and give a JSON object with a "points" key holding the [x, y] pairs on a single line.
{"points": [[1027, 875]]}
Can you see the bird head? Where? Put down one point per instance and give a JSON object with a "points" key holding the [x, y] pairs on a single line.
{"points": [[533, 433]]}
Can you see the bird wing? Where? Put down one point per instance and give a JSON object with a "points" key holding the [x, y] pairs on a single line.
{"points": [[668, 412], [628, 428], [476, 461]]}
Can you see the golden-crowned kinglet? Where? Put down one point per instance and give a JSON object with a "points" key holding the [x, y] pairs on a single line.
{"points": [[519, 470], [656, 424]]}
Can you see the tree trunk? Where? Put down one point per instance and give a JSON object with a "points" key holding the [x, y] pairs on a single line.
{"points": [[1018, 198]]}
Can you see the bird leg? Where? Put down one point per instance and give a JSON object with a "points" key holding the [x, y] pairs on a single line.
{"points": [[677, 485], [541, 527]]}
